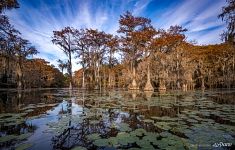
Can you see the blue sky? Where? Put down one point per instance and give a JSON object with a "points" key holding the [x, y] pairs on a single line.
{"points": [[37, 19]]}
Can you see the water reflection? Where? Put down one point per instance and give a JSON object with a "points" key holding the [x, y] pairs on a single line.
{"points": [[148, 94], [64, 119]]}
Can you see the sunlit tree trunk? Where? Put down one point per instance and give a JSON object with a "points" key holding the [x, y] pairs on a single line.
{"points": [[109, 79], [110, 63], [83, 78], [202, 83], [99, 77], [134, 85], [162, 86], [97, 70], [19, 74], [148, 85], [83, 69], [19, 98], [177, 68], [70, 72]]}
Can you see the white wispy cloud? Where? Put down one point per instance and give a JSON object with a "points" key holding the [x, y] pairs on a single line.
{"points": [[204, 38], [179, 14], [196, 16], [140, 6], [43, 22], [206, 18]]}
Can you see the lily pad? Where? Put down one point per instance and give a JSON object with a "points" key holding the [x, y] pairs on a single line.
{"points": [[123, 127], [24, 136], [101, 142], [24, 146], [162, 125], [7, 138], [192, 121], [144, 144], [139, 132], [134, 148], [94, 136], [151, 137], [165, 118], [113, 141], [124, 138], [79, 148], [148, 121], [29, 110], [165, 134], [29, 107], [163, 143]]}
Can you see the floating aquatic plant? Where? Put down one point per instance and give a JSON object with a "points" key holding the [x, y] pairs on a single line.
{"points": [[139, 132], [24, 146], [148, 121], [144, 144], [101, 142], [93, 136], [164, 118], [192, 121], [134, 148], [113, 141], [24, 136], [29, 110], [7, 138], [123, 138], [151, 137], [79, 148], [162, 125], [29, 107], [165, 134], [123, 127]]}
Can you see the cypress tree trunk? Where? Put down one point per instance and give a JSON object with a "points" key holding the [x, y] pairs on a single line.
{"points": [[148, 85], [19, 76], [203, 84], [109, 85], [70, 72], [162, 86], [133, 85], [83, 78]]}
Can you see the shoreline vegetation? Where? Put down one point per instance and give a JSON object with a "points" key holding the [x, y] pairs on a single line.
{"points": [[139, 57], [114, 89]]}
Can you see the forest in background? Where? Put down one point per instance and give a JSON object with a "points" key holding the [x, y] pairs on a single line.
{"points": [[138, 57]]}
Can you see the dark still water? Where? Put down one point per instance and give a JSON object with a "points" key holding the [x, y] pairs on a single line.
{"points": [[63, 119]]}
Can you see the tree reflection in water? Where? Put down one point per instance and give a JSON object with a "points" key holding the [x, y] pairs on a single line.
{"points": [[15, 118], [76, 134], [187, 115]]}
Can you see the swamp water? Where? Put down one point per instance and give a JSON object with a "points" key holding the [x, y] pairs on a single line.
{"points": [[63, 119]]}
